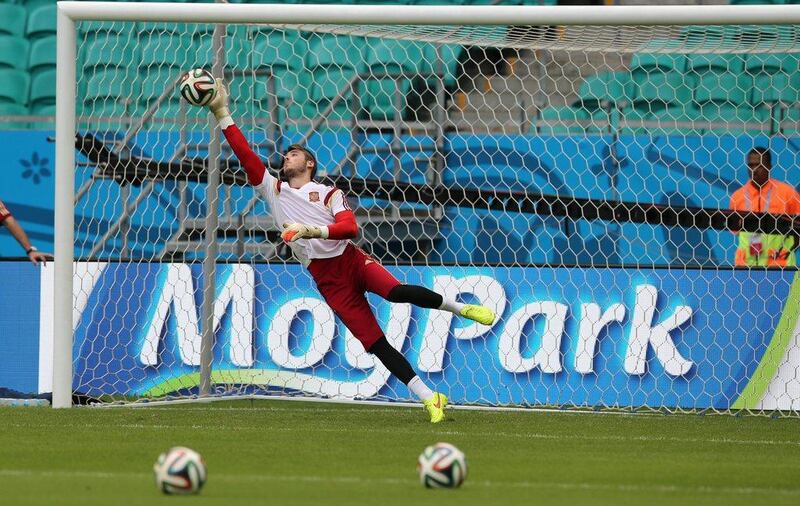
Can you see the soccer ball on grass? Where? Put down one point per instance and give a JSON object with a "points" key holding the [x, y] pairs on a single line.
{"points": [[442, 466], [180, 470]]}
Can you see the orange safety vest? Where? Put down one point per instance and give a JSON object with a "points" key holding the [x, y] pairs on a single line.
{"points": [[765, 250]]}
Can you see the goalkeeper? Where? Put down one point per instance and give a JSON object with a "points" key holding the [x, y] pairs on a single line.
{"points": [[318, 226]]}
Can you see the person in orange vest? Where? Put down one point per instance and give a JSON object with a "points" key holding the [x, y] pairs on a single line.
{"points": [[765, 195]]}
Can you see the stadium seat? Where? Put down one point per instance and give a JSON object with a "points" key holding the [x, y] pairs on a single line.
{"points": [[726, 118], [113, 84], [156, 80], [648, 63], [449, 54], [15, 86], [87, 30], [164, 50], [43, 89], [42, 55], [790, 122], [13, 52], [714, 62], [327, 83], [660, 89], [13, 17], [335, 50], [277, 48], [605, 89], [42, 21], [7, 109], [728, 87], [44, 110], [379, 94], [561, 120], [109, 50], [774, 78], [678, 119]]}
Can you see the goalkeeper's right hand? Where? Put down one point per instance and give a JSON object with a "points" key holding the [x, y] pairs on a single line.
{"points": [[219, 104]]}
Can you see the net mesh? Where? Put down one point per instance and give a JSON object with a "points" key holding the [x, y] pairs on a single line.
{"points": [[577, 180]]}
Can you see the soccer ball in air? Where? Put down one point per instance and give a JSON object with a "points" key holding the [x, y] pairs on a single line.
{"points": [[442, 466], [180, 470], [198, 87]]}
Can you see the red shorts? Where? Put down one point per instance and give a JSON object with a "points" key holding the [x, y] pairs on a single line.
{"points": [[343, 281]]}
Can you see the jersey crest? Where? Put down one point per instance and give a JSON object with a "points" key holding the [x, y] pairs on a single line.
{"points": [[313, 196]]}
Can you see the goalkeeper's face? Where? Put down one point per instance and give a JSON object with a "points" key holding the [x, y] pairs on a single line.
{"points": [[296, 164]]}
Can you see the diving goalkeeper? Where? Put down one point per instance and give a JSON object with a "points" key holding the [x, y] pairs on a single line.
{"points": [[318, 226]]}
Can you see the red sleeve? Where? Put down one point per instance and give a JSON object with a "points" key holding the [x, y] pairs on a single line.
{"points": [[252, 163], [345, 226], [4, 212]]}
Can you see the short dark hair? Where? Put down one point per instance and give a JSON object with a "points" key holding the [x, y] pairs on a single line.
{"points": [[766, 154], [309, 155]]}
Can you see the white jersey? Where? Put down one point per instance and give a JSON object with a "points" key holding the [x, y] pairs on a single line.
{"points": [[311, 204]]}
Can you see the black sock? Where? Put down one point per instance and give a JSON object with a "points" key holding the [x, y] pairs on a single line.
{"points": [[393, 360], [417, 295]]}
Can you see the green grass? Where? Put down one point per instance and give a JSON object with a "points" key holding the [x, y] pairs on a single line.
{"points": [[288, 453]]}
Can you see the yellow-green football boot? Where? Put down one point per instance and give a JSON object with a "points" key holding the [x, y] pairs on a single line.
{"points": [[435, 406], [480, 314]]}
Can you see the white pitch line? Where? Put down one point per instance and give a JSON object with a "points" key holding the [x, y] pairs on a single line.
{"points": [[354, 480], [487, 435]]}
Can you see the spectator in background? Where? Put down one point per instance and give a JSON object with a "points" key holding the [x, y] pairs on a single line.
{"points": [[14, 227], [765, 195]]}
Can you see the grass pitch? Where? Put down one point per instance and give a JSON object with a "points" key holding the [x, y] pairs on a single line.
{"points": [[288, 453]]}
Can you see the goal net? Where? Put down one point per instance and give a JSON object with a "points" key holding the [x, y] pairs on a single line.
{"points": [[586, 174]]}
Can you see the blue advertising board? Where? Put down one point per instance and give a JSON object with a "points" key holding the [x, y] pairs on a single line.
{"points": [[564, 336]]}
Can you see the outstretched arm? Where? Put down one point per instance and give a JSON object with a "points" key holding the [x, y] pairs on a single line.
{"points": [[256, 171], [34, 255]]}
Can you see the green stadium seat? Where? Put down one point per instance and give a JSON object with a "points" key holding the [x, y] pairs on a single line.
{"points": [[647, 63], [771, 63], [15, 86], [155, 80], [699, 63], [7, 109], [108, 107], [725, 118], [603, 89], [379, 95], [661, 89], [335, 50], [327, 83], [774, 78], [43, 89], [680, 119], [164, 50], [42, 21], [277, 49], [90, 29], [560, 121], [42, 55], [381, 53], [111, 84], [13, 17], [449, 53], [44, 110], [13, 52], [109, 50], [728, 87], [790, 123]]}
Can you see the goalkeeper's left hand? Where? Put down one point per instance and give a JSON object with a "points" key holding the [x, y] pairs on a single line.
{"points": [[294, 231]]}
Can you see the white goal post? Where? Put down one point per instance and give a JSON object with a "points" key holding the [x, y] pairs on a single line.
{"points": [[446, 25]]}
